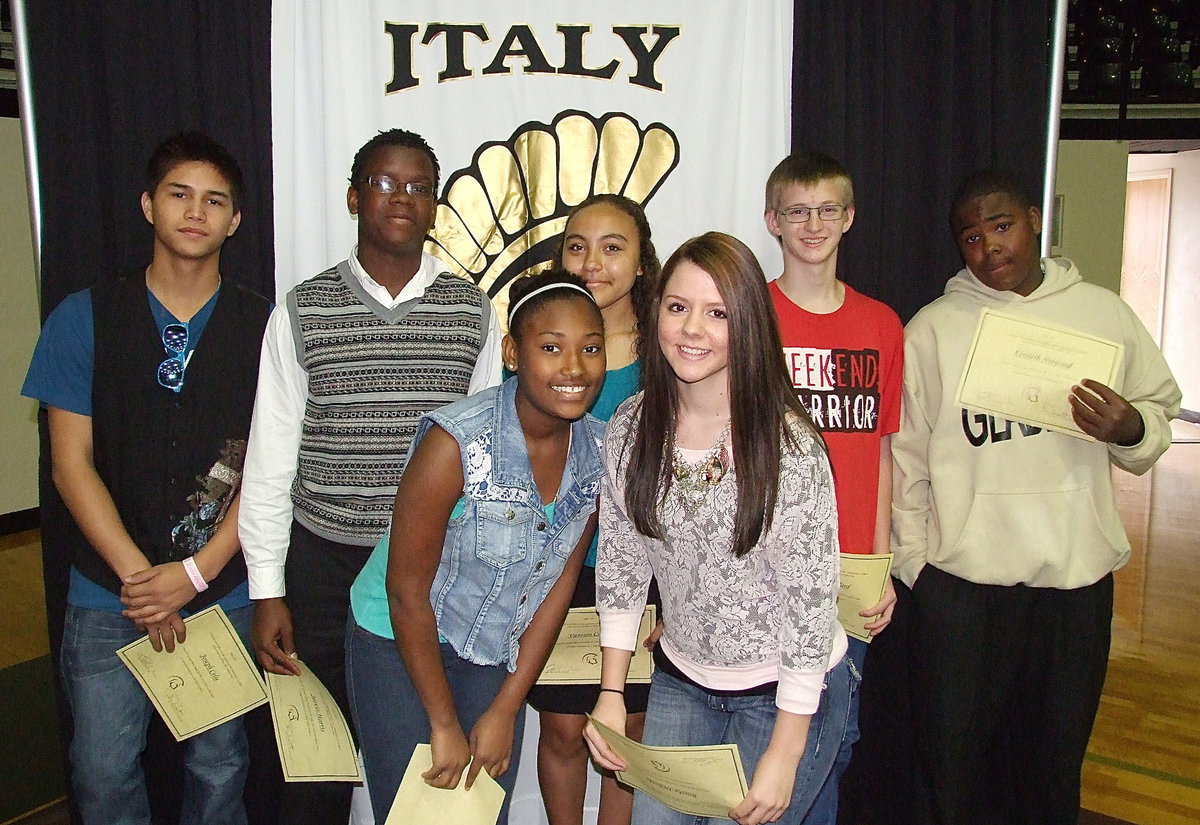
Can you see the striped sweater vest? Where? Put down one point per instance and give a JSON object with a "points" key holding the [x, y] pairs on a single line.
{"points": [[372, 373]]}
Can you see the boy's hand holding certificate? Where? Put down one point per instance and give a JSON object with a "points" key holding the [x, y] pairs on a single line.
{"points": [[1023, 369], [863, 580], [207, 680], [210, 679], [312, 735]]}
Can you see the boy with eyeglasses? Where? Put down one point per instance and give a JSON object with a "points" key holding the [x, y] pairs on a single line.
{"points": [[148, 381], [350, 362], [1008, 533], [844, 353]]}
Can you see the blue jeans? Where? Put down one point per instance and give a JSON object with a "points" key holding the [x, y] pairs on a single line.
{"points": [[824, 810], [683, 714], [391, 720], [111, 712]]}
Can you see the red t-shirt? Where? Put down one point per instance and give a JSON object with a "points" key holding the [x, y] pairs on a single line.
{"points": [[847, 368]]}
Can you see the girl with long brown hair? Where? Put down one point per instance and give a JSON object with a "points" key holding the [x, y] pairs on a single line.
{"points": [[718, 485]]}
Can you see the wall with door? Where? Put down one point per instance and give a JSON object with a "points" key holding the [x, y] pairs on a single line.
{"points": [[1181, 295]]}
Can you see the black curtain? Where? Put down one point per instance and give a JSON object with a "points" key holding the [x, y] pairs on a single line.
{"points": [[912, 97], [109, 81]]}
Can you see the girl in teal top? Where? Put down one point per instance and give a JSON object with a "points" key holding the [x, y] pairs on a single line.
{"points": [[607, 243]]}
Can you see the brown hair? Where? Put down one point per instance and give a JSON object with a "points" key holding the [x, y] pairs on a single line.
{"points": [[762, 400], [806, 168]]}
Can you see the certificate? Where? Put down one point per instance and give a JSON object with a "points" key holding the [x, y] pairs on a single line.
{"points": [[575, 659], [705, 780], [417, 802], [207, 680], [862, 584], [1023, 369], [311, 733]]}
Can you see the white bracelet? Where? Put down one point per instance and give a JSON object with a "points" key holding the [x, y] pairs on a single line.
{"points": [[193, 573]]}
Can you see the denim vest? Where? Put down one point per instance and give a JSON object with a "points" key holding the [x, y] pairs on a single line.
{"points": [[502, 555]]}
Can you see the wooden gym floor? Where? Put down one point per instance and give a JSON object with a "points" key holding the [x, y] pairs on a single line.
{"points": [[1143, 763]]}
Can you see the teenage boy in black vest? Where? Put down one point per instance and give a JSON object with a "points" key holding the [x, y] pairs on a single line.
{"points": [[350, 362], [149, 383]]}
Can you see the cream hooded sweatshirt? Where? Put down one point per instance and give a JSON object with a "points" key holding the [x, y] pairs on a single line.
{"points": [[996, 502]]}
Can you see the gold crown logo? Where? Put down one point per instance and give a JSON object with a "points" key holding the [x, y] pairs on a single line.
{"points": [[501, 217]]}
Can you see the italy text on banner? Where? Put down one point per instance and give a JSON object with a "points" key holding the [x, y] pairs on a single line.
{"points": [[531, 107]]}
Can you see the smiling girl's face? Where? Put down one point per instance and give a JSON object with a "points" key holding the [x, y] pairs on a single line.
{"points": [[558, 352], [601, 245], [693, 327]]}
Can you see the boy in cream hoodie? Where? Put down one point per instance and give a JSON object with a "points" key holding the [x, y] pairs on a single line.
{"points": [[1008, 533]]}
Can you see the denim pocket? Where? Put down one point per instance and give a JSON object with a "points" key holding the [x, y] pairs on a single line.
{"points": [[502, 532]]}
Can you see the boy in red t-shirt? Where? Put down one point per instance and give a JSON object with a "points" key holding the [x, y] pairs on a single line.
{"points": [[845, 354], [844, 351]]}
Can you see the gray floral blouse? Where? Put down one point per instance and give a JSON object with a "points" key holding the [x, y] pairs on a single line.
{"points": [[775, 605]]}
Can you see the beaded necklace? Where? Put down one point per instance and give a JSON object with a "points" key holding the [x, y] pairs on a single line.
{"points": [[693, 481]]}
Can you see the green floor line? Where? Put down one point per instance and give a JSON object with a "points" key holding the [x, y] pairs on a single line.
{"points": [[1193, 784], [40, 809]]}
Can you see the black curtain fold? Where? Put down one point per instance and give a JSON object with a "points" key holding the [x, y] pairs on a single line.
{"points": [[912, 97], [111, 80]]}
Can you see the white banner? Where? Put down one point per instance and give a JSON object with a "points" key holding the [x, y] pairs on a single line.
{"points": [[531, 107]]}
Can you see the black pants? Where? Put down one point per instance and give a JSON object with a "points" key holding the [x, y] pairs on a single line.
{"points": [[318, 576], [1006, 685], [870, 793]]}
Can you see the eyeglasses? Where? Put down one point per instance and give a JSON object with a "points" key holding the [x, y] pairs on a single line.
{"points": [[800, 214], [170, 371], [385, 185]]}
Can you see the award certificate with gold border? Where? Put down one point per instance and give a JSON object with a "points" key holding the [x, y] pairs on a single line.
{"points": [[575, 659], [1023, 369], [207, 680], [705, 780], [863, 580], [312, 735]]}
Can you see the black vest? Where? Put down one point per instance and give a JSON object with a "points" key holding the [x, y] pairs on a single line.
{"points": [[153, 447]]}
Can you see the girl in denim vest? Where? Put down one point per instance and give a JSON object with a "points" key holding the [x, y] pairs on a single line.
{"points": [[454, 616], [718, 485]]}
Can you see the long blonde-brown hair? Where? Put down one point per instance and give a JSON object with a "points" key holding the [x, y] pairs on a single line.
{"points": [[761, 396]]}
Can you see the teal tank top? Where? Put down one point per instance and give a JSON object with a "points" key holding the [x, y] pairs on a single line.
{"points": [[619, 384]]}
